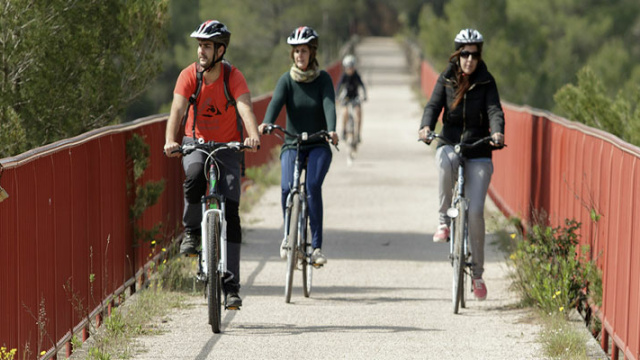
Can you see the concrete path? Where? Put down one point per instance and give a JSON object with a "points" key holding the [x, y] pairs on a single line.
{"points": [[386, 290]]}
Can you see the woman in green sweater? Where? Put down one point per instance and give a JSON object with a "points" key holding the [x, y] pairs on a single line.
{"points": [[307, 92]]}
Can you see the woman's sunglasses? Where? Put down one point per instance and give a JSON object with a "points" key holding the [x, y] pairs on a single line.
{"points": [[474, 54]]}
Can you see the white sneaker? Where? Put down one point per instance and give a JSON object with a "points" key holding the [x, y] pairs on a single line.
{"points": [[283, 249], [442, 235], [317, 257]]}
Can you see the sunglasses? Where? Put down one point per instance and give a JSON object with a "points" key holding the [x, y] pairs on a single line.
{"points": [[474, 54]]}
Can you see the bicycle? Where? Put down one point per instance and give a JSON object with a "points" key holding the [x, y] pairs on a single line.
{"points": [[350, 130], [459, 249], [212, 259], [296, 219]]}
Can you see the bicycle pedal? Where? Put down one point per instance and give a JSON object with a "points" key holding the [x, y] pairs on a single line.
{"points": [[317, 266], [233, 308], [191, 255]]}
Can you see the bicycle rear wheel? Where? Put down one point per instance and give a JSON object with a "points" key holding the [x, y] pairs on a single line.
{"points": [[307, 268], [292, 240], [459, 262], [214, 285], [351, 138]]}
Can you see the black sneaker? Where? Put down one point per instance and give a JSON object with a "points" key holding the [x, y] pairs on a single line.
{"points": [[190, 243], [234, 302]]}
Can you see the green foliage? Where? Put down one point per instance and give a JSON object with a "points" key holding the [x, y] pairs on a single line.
{"points": [[147, 194], [588, 103], [13, 138], [533, 48], [71, 66], [550, 271]]}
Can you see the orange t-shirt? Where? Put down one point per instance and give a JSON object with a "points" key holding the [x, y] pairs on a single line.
{"points": [[215, 122]]}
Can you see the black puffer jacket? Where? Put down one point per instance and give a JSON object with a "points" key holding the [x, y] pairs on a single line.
{"points": [[479, 114]]}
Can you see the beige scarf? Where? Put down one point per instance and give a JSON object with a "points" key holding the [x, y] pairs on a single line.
{"points": [[304, 76]]}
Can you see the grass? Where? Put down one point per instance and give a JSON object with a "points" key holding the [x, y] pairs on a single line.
{"points": [[258, 179], [115, 338], [561, 340]]}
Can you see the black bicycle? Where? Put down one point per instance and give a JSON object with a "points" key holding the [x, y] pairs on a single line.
{"points": [[296, 219], [212, 264], [459, 249]]}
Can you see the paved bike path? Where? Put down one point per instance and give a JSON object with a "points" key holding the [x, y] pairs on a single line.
{"points": [[386, 290]]}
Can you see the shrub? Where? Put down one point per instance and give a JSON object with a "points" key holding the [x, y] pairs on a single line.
{"points": [[551, 272]]}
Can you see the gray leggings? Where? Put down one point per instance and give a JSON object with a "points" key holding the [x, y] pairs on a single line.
{"points": [[477, 178]]}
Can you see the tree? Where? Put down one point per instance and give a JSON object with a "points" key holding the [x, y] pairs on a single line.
{"points": [[71, 66], [588, 103], [533, 48]]}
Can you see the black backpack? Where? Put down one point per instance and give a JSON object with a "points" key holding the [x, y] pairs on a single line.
{"points": [[230, 102]]}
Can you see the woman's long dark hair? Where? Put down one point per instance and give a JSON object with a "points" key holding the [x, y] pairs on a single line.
{"points": [[462, 79]]}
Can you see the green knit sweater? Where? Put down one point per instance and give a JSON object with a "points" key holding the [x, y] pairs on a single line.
{"points": [[310, 107]]}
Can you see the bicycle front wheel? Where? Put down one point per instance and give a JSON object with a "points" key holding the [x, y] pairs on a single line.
{"points": [[292, 241], [458, 255], [214, 285]]}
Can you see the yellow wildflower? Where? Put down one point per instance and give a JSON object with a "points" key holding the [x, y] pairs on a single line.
{"points": [[513, 236]]}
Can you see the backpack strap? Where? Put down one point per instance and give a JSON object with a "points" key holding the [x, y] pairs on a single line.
{"points": [[192, 102], [231, 101]]}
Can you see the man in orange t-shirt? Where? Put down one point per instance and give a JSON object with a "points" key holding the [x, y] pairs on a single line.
{"points": [[214, 121]]}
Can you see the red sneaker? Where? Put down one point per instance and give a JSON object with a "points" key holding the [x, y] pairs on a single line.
{"points": [[479, 289], [442, 235]]}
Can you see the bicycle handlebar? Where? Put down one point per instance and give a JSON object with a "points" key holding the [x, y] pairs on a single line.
{"points": [[212, 147], [300, 138], [460, 147]]}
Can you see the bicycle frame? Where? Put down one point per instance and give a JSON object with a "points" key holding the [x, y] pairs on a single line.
{"points": [[210, 205], [452, 212]]}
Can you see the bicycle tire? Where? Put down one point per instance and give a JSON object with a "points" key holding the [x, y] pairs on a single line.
{"points": [[307, 268], [458, 255], [466, 278], [351, 137], [214, 286], [292, 240]]}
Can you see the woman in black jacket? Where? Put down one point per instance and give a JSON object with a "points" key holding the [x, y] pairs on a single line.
{"points": [[469, 96]]}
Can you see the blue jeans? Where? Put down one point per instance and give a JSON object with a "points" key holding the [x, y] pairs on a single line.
{"points": [[318, 160]]}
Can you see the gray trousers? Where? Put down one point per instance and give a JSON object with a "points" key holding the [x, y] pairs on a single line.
{"points": [[477, 178]]}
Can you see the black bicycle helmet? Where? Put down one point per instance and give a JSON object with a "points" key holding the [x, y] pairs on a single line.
{"points": [[303, 35], [469, 37], [215, 31]]}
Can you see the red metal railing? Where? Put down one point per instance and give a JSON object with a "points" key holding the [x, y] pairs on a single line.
{"points": [[568, 169], [66, 236]]}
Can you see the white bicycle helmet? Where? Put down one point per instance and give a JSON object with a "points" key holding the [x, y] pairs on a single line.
{"points": [[213, 30], [303, 35], [468, 37], [349, 61]]}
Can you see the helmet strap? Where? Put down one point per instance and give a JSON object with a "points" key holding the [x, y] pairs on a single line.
{"points": [[215, 52]]}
